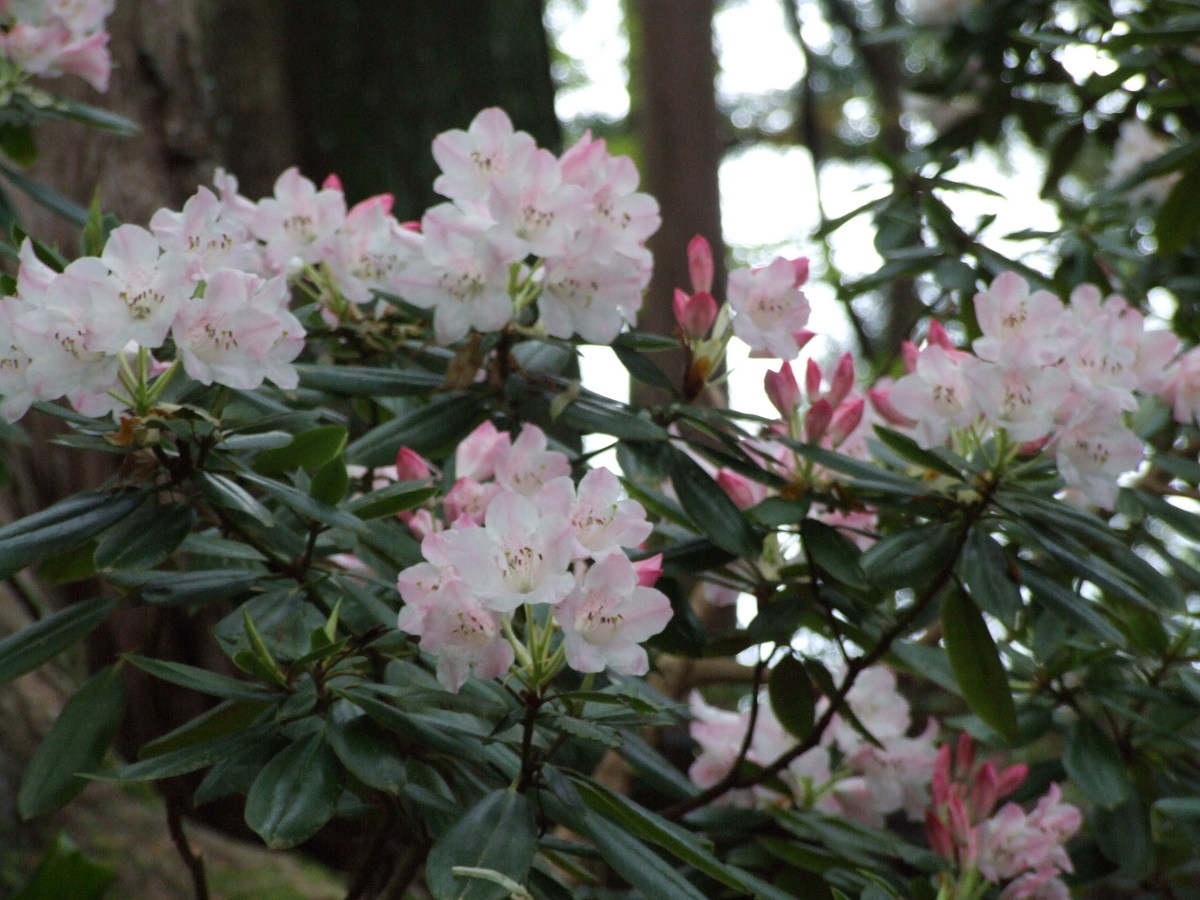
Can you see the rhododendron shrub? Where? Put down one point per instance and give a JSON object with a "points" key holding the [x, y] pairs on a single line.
{"points": [[962, 663]]}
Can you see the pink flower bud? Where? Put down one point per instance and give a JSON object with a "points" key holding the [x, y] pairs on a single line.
{"points": [[939, 336], [1010, 779], [802, 337], [938, 836], [984, 793], [842, 380], [812, 380], [846, 419], [411, 466], [801, 269], [741, 490], [964, 754], [331, 182], [694, 314], [700, 264], [648, 569], [880, 399], [816, 420], [782, 390], [1032, 448], [411, 226], [909, 352], [942, 776]]}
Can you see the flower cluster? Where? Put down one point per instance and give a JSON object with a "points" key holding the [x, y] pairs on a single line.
{"points": [[1049, 375], [525, 227], [55, 37], [1024, 849], [517, 537], [844, 774]]}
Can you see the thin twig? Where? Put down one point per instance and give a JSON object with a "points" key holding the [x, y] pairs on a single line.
{"points": [[191, 859]]}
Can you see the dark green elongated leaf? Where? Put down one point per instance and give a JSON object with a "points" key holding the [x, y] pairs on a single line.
{"points": [[976, 664], [1125, 836], [629, 857], [588, 415], [224, 718], [266, 666], [305, 506], [47, 197], [75, 743], [366, 750], [1178, 219], [33, 645], [863, 474], [228, 494], [145, 537], [91, 116], [211, 683], [710, 508], [330, 482], [1180, 520], [62, 526], [665, 834], [1094, 765], [792, 698], [834, 553], [1067, 605], [985, 569], [498, 833], [308, 450], [17, 143], [190, 758], [909, 558], [430, 429], [195, 588], [64, 865], [910, 451], [642, 369], [363, 381], [389, 500], [295, 793]]}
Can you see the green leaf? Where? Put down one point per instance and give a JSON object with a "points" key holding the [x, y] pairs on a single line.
{"points": [[1178, 218], [660, 832], [223, 719], [834, 553], [594, 415], [295, 794], [75, 743], [17, 143], [1094, 765], [192, 757], [330, 482], [146, 537], [33, 645], [64, 865], [364, 381], [305, 506], [194, 588], [1067, 605], [267, 668], [791, 695], [366, 750], [391, 499], [308, 450], [986, 570], [47, 197], [910, 557], [910, 451], [976, 664], [710, 508], [642, 369], [194, 678], [430, 429], [62, 526], [498, 833], [228, 494], [1125, 836], [91, 116]]}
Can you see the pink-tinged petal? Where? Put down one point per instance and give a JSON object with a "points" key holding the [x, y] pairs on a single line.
{"points": [[700, 264]]}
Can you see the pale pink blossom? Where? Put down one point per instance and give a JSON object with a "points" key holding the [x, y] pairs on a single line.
{"points": [[624, 217], [240, 332], [298, 222], [210, 237], [150, 286], [471, 160], [591, 294], [607, 615], [1019, 327], [532, 201], [771, 310], [462, 273], [369, 250], [937, 395], [529, 463], [602, 521]]}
